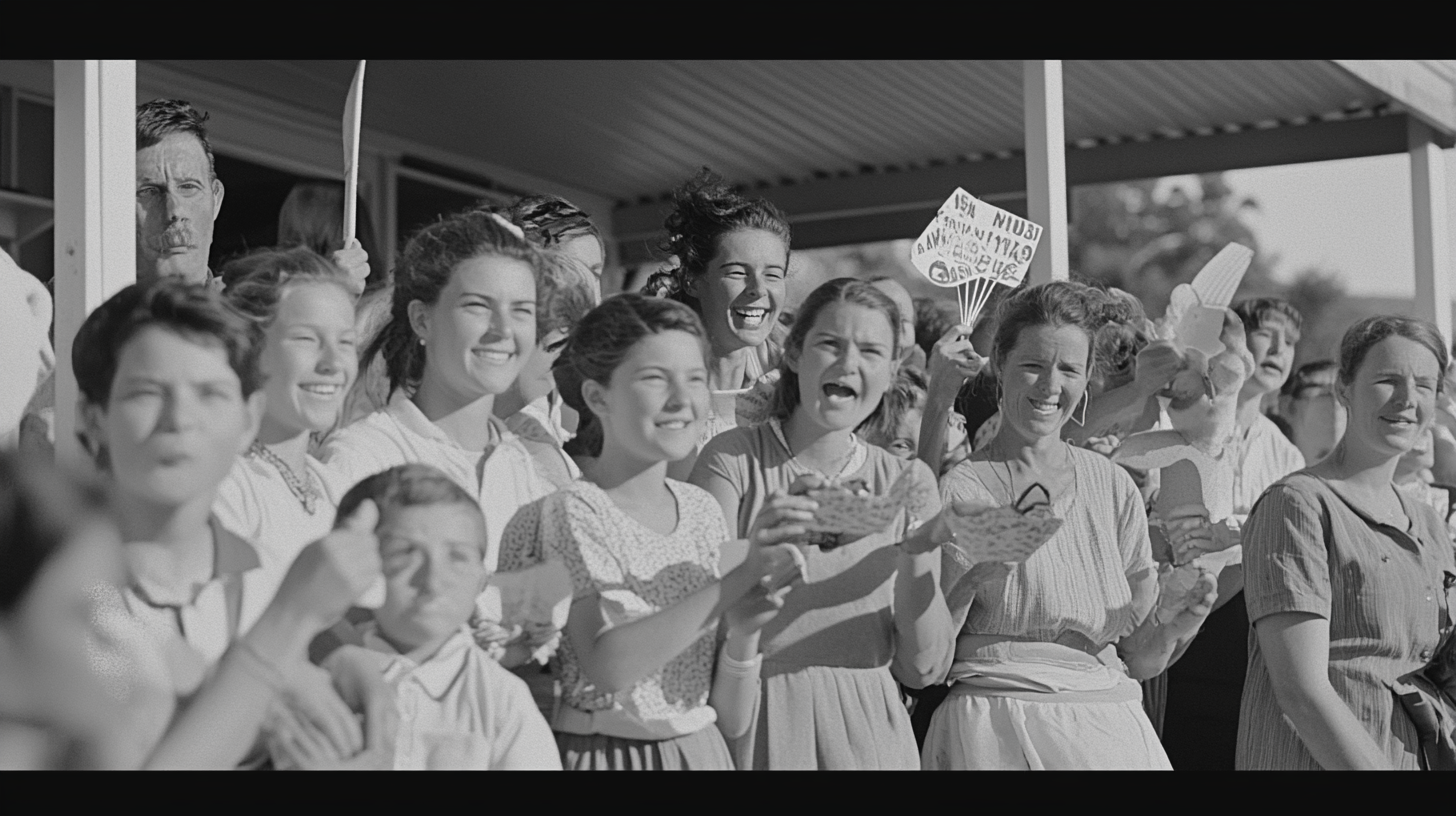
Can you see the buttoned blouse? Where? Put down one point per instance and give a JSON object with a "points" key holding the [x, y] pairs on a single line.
{"points": [[502, 479], [1385, 592]]}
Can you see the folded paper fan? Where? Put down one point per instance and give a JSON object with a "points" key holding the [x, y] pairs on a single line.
{"points": [[849, 510], [1002, 533], [539, 595]]}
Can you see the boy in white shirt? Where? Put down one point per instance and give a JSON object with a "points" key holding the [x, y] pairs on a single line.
{"points": [[458, 709]]}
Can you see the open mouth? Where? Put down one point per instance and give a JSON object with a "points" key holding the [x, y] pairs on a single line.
{"points": [[751, 318], [1045, 407], [1400, 423], [494, 357], [839, 391]]}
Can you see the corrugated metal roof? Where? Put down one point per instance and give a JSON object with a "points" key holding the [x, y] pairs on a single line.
{"points": [[630, 130]]}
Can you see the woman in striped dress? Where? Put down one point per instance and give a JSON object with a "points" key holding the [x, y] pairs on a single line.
{"points": [[1348, 582], [1049, 649]]}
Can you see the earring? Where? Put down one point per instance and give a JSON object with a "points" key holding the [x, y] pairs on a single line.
{"points": [[1083, 421], [422, 341]]}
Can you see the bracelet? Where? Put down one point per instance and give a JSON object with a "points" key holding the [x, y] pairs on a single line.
{"points": [[259, 666], [740, 668]]}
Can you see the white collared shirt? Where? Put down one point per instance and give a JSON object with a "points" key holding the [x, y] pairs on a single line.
{"points": [[502, 479], [460, 711]]}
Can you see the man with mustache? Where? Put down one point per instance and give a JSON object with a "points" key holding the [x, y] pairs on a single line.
{"points": [[178, 193], [1200, 726]]}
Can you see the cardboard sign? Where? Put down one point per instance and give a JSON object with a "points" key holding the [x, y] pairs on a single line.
{"points": [[1008, 243], [353, 108], [941, 252]]}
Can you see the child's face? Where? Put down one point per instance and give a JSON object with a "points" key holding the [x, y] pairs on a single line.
{"points": [[845, 366], [432, 557], [657, 399], [905, 440], [176, 419], [310, 355], [482, 328], [1272, 345]]}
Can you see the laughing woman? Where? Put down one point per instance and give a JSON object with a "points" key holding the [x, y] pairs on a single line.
{"points": [[1349, 582], [1049, 649], [733, 261]]}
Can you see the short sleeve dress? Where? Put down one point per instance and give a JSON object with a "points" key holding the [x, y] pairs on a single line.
{"points": [[1062, 699], [1386, 593], [828, 699], [663, 720]]}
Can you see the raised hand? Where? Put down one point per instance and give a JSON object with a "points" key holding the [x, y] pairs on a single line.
{"points": [[953, 360], [331, 573], [1157, 364], [354, 260]]}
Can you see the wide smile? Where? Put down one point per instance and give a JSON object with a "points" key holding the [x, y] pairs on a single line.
{"points": [[1044, 408], [673, 424], [322, 390], [750, 318], [493, 356], [1400, 423]]}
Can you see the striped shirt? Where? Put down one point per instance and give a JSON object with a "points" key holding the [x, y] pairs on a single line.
{"points": [[1383, 591]]}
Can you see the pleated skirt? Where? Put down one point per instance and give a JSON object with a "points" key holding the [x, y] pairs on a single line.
{"points": [[973, 731], [702, 750], [828, 718]]}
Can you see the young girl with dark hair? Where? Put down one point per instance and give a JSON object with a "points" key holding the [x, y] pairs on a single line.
{"points": [[642, 677], [871, 612]]}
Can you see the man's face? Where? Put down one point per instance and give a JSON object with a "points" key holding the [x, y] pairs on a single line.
{"points": [[1272, 345], [177, 201]]}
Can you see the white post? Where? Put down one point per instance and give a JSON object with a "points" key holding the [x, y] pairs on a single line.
{"points": [[1432, 228], [1046, 167], [95, 145]]}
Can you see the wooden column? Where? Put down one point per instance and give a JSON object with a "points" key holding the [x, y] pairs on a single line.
{"points": [[1432, 222], [1046, 167], [95, 196]]}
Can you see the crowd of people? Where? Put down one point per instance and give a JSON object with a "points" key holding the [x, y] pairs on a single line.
{"points": [[316, 469]]}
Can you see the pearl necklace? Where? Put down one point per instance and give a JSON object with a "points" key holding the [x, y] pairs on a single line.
{"points": [[303, 489]]}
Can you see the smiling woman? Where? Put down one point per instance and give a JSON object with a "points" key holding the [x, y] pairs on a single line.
{"points": [[462, 324], [733, 261]]}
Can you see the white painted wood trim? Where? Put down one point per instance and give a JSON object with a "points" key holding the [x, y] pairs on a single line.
{"points": [[1046, 167], [1432, 228]]}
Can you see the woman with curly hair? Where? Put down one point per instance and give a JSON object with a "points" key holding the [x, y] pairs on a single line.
{"points": [[732, 267]]}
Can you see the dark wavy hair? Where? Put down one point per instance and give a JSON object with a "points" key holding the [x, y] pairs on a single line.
{"points": [[839, 290], [41, 508], [193, 311], [160, 118], [425, 267], [1363, 336], [548, 220], [256, 281], [704, 210], [599, 343], [569, 291], [1254, 311], [411, 485]]}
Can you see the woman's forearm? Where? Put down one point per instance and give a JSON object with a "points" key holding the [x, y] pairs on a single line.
{"points": [[1327, 727], [736, 681], [620, 656], [934, 423], [924, 640]]}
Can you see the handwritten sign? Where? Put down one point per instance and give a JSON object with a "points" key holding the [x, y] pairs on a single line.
{"points": [[975, 247], [942, 253]]}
